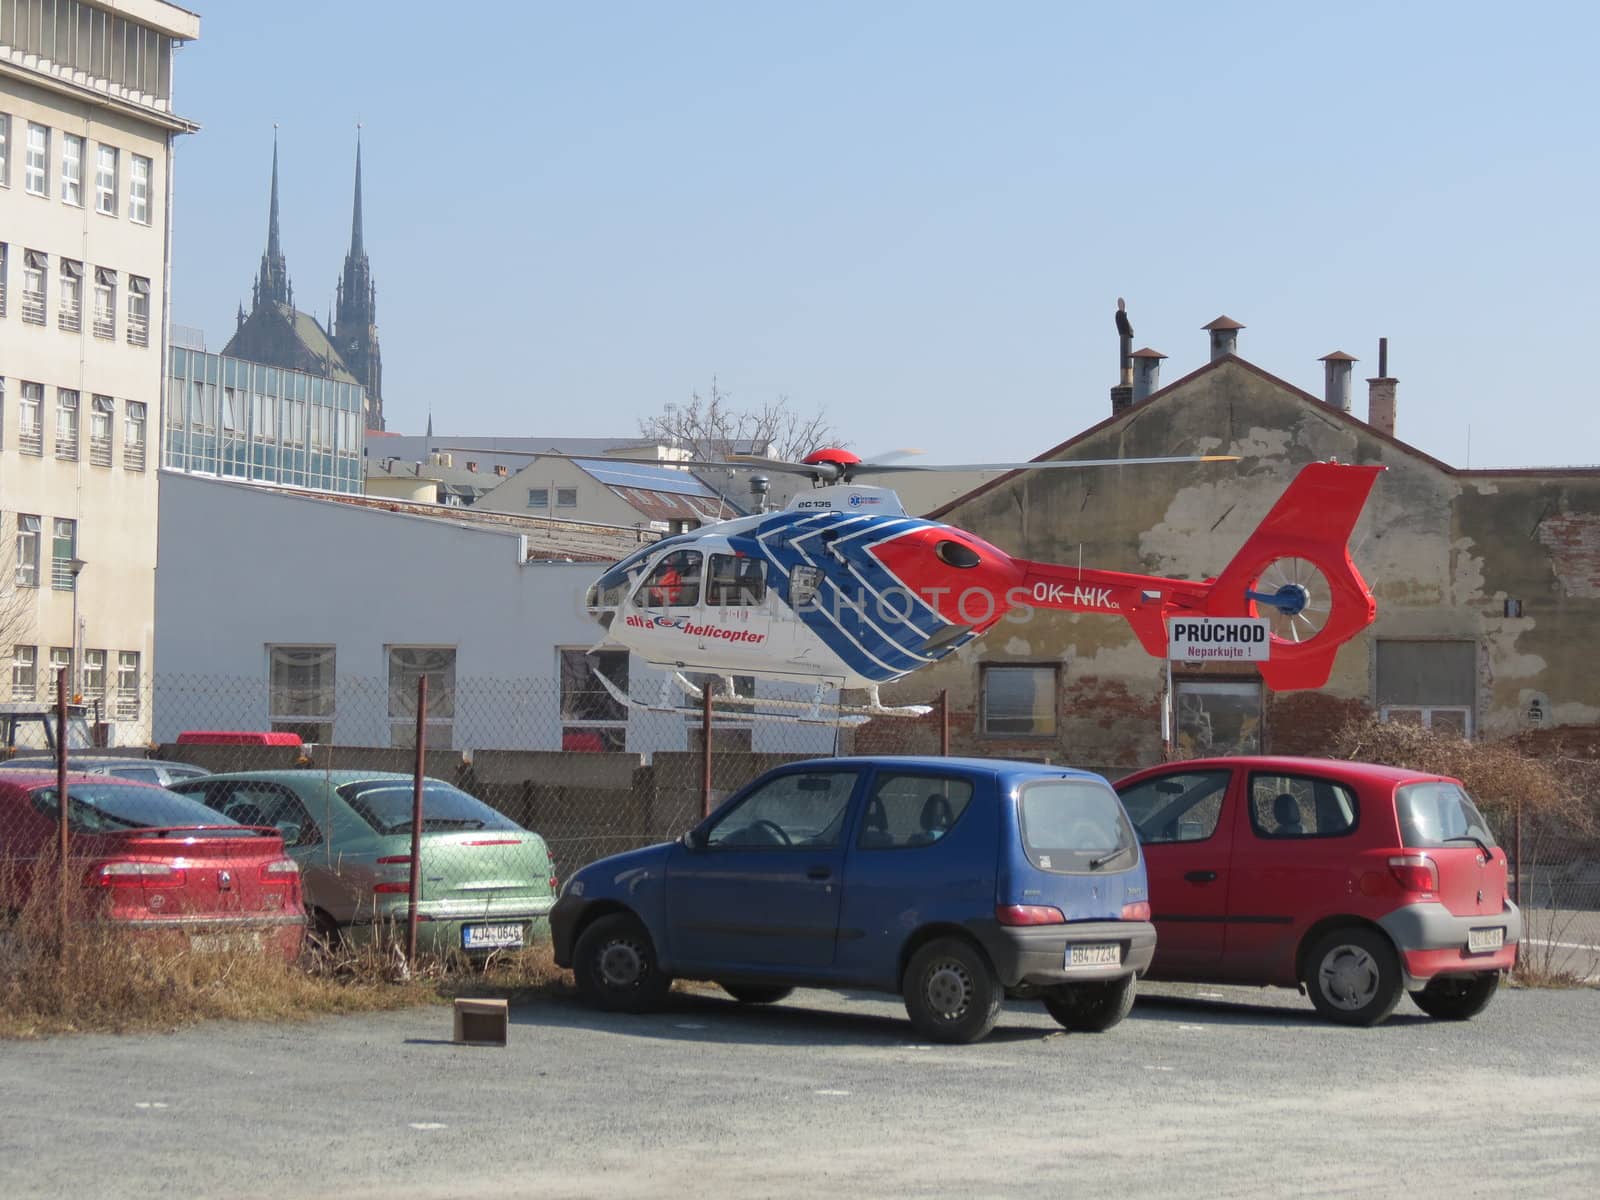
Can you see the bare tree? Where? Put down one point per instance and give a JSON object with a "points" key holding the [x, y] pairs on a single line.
{"points": [[711, 428], [17, 607]]}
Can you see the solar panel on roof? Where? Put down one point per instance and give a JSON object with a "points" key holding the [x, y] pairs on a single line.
{"points": [[637, 475]]}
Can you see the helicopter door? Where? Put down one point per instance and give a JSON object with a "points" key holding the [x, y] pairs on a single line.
{"points": [[736, 619]]}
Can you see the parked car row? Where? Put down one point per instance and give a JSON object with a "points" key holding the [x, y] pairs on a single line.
{"points": [[253, 857], [959, 882]]}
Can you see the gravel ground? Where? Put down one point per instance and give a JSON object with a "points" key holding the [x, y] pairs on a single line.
{"points": [[1208, 1091]]}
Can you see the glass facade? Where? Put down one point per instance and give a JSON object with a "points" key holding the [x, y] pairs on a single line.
{"points": [[242, 420]]}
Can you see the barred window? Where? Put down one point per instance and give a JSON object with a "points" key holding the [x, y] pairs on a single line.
{"points": [[30, 426], [64, 555], [138, 310], [102, 419], [94, 675], [25, 673], [66, 425], [129, 685], [105, 303], [133, 437]]}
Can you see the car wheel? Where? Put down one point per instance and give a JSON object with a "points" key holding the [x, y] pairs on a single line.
{"points": [[1091, 1007], [951, 992], [751, 993], [326, 929], [615, 965], [1458, 997], [1353, 976]]}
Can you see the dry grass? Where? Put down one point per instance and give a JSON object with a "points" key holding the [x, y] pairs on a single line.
{"points": [[111, 980]]}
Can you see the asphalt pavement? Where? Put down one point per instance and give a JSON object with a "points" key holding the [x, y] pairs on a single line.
{"points": [[1202, 1091]]}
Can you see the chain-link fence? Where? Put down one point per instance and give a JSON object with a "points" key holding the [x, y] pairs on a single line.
{"points": [[528, 780]]}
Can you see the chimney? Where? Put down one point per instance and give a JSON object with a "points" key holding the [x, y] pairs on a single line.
{"points": [[416, 469], [1146, 373], [1224, 333], [1336, 385], [500, 470], [1380, 393], [472, 465], [1122, 394]]}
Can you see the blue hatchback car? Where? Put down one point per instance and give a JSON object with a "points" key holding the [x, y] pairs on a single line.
{"points": [[954, 882]]}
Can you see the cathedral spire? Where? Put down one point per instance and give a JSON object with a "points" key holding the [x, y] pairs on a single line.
{"points": [[357, 250], [356, 311], [272, 284]]}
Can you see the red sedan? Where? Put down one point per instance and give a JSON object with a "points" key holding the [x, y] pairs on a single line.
{"points": [[1356, 883], [151, 860]]}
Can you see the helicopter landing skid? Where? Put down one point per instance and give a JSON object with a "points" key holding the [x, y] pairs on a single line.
{"points": [[812, 711]]}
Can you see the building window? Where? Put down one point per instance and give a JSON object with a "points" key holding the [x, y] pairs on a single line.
{"points": [[105, 303], [1432, 684], [94, 676], [139, 190], [102, 420], [1019, 701], [538, 497], [129, 685], [72, 169], [69, 316], [60, 663], [138, 311], [35, 269], [566, 497], [66, 425], [105, 181], [1217, 717], [5, 263], [36, 169], [5, 150], [63, 553], [407, 664], [133, 437], [25, 673], [30, 426], [591, 717], [262, 409], [301, 687], [28, 527]]}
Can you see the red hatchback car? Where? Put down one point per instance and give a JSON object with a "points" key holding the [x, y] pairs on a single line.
{"points": [[1353, 882], [153, 860]]}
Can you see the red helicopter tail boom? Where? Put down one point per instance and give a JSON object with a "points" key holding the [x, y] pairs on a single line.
{"points": [[1296, 564]]}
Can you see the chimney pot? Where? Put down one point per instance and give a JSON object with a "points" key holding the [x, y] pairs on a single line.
{"points": [[472, 464], [1224, 333], [1146, 373], [500, 470], [1336, 368]]}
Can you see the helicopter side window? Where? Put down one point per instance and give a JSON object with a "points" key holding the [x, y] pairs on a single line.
{"points": [[674, 582], [733, 581], [803, 585]]}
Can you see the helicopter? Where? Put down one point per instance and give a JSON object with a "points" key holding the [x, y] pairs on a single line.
{"points": [[841, 589]]}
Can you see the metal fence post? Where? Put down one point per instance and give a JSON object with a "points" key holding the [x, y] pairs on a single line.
{"points": [[61, 800], [944, 722], [705, 749], [1516, 823], [416, 820]]}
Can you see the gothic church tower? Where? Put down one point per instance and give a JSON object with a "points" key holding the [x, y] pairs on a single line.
{"points": [[355, 329]]}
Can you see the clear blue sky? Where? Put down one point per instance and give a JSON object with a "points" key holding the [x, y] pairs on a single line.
{"points": [[917, 216]]}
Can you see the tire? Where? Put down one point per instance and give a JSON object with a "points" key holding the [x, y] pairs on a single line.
{"points": [[1458, 998], [1353, 976], [326, 929], [616, 968], [951, 992], [754, 993], [1091, 1007]]}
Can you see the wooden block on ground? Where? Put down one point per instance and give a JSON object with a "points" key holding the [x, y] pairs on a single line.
{"points": [[481, 1022]]}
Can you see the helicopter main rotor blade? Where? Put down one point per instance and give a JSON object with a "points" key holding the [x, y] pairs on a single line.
{"points": [[888, 468]]}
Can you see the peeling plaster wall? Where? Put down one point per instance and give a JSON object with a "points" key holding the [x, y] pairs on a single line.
{"points": [[1441, 550]]}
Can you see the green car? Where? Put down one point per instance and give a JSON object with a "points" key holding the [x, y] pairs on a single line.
{"points": [[486, 882]]}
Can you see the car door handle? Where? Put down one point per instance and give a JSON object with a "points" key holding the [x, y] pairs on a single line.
{"points": [[1200, 876], [819, 873]]}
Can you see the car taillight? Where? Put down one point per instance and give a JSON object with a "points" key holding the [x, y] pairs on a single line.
{"points": [[136, 874], [403, 888], [1137, 911], [1415, 873], [1028, 914], [279, 872], [493, 842], [392, 860], [555, 885]]}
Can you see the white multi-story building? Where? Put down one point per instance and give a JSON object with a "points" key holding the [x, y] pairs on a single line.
{"points": [[86, 137]]}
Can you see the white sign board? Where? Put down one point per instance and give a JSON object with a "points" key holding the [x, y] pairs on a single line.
{"points": [[1218, 639]]}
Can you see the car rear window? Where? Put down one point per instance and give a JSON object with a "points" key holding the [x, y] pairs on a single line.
{"points": [[112, 807], [1439, 813], [1074, 825], [386, 806]]}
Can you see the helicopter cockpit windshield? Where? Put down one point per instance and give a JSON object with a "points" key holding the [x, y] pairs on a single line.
{"points": [[612, 588]]}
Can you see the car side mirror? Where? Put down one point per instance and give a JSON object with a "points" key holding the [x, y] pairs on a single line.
{"points": [[693, 840]]}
